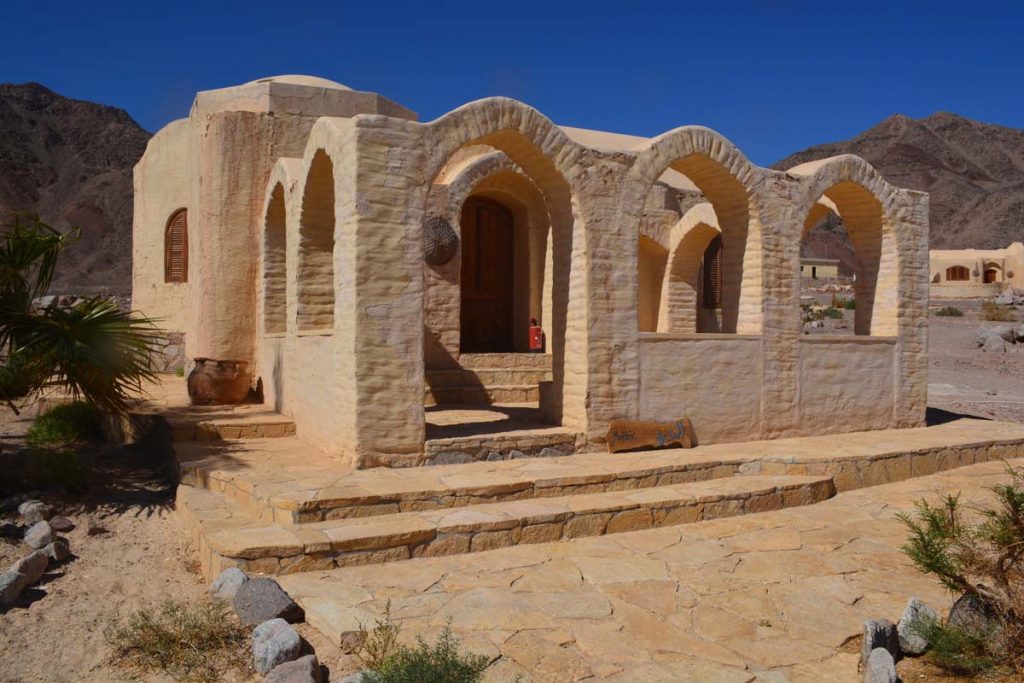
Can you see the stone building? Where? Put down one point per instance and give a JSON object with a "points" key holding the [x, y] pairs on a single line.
{"points": [[975, 273], [819, 268], [374, 271]]}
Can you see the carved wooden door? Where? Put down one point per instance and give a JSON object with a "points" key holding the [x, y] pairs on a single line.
{"points": [[488, 264]]}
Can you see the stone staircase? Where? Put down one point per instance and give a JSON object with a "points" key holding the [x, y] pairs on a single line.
{"points": [[488, 378]]}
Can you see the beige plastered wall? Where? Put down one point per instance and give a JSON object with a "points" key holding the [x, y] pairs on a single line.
{"points": [[1008, 264]]}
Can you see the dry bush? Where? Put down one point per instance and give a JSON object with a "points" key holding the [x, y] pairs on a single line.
{"points": [[198, 643], [990, 310], [981, 556]]}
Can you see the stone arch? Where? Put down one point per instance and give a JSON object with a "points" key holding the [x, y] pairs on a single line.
{"points": [[862, 199], [680, 306], [274, 261], [315, 268], [726, 178], [547, 156]]}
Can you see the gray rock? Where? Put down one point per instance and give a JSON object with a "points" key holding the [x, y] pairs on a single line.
{"points": [[494, 456], [94, 528], [993, 344], [59, 550], [881, 667], [227, 583], [39, 535], [11, 586], [1018, 334], [274, 642], [451, 458], [61, 524], [1006, 298], [1004, 332], [34, 511], [357, 677], [516, 455], [971, 614], [915, 614], [878, 633], [33, 565], [551, 453], [302, 670], [258, 600]]}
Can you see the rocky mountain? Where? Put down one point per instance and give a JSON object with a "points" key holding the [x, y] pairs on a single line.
{"points": [[973, 171], [71, 162]]}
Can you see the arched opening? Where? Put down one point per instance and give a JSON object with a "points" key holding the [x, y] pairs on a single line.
{"points": [[652, 261], [176, 247], [315, 273], [992, 273], [845, 237], [275, 278], [713, 272], [958, 274]]}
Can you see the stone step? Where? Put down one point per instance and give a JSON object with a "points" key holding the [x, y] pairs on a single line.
{"points": [[256, 426], [477, 395], [505, 360], [486, 377], [230, 538], [496, 447]]}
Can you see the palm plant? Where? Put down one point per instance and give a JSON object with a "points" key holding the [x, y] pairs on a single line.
{"points": [[92, 350]]}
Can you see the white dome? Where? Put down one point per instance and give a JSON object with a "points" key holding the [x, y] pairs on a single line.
{"points": [[294, 79]]}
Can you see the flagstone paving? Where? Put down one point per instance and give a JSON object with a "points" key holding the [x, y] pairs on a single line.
{"points": [[766, 597]]}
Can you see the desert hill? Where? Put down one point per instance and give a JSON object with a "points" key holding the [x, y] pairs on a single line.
{"points": [[71, 162], [973, 171]]}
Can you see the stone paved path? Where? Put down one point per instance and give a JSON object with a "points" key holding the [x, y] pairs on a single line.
{"points": [[767, 597]]}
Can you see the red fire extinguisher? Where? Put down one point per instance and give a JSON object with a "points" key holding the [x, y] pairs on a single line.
{"points": [[536, 337]]}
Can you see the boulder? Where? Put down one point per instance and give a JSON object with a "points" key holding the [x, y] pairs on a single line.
{"points": [[274, 642], [61, 524], [94, 528], [516, 455], [1004, 299], [34, 511], [495, 456], [914, 616], [227, 583], [302, 670], [881, 667], [11, 586], [33, 566], [39, 535], [878, 633], [1004, 332], [262, 599], [993, 344], [59, 550], [970, 613], [550, 452]]}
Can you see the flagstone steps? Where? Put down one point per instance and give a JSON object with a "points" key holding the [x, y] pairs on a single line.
{"points": [[231, 537], [481, 395]]}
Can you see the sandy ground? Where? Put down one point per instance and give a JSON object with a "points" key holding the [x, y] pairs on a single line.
{"points": [[56, 634]]}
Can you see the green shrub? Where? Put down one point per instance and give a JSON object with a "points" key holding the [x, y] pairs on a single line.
{"points": [[949, 312], [990, 310], [980, 555], [442, 662], [849, 304], [179, 371], [71, 423], [954, 649], [187, 643], [832, 312]]}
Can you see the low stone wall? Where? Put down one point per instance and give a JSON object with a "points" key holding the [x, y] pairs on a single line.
{"points": [[964, 290]]}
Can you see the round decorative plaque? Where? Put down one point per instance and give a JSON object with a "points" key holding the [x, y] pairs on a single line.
{"points": [[439, 241]]}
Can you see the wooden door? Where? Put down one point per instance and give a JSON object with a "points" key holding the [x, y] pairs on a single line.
{"points": [[990, 275], [488, 263]]}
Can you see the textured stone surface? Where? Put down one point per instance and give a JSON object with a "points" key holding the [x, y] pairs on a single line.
{"points": [[61, 524], [274, 642], [910, 640], [881, 668], [11, 585], [227, 583], [34, 511], [973, 615], [39, 535], [58, 550], [878, 633], [302, 670], [258, 600], [33, 566]]}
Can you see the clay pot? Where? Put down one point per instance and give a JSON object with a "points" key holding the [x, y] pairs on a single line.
{"points": [[214, 382]]}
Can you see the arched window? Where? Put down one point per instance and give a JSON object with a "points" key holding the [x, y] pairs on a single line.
{"points": [[176, 247], [958, 274], [711, 295]]}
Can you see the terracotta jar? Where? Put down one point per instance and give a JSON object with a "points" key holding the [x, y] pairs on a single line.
{"points": [[213, 381]]}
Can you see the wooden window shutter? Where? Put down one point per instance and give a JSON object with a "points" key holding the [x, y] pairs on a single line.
{"points": [[713, 274], [176, 248]]}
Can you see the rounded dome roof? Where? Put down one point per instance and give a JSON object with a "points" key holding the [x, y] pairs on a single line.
{"points": [[298, 79]]}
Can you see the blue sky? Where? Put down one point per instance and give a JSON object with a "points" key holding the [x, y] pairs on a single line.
{"points": [[775, 77]]}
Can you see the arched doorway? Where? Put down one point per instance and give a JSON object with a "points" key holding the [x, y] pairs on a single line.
{"points": [[488, 277]]}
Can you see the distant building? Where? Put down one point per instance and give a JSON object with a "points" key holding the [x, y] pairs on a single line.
{"points": [[819, 268], [974, 273]]}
